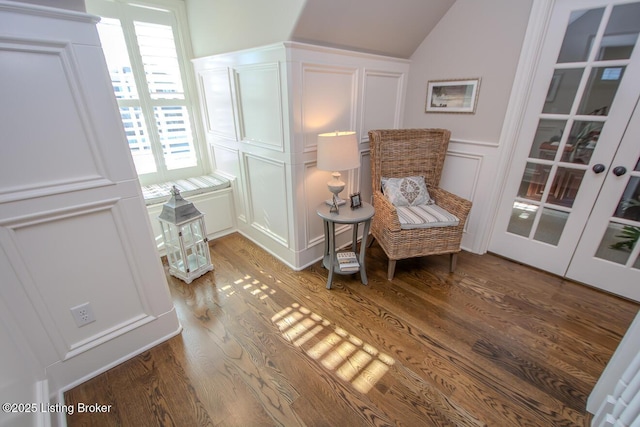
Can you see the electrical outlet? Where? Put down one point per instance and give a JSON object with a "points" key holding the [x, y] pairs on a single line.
{"points": [[83, 314]]}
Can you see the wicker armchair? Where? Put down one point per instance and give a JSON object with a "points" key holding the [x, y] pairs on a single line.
{"points": [[398, 153]]}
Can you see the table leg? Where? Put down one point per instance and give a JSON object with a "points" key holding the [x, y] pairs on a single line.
{"points": [[332, 251], [326, 237], [354, 238], [363, 247]]}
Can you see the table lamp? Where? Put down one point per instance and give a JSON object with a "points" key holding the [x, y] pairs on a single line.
{"points": [[337, 151]]}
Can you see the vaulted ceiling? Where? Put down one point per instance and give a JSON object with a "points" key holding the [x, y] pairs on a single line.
{"points": [[388, 27]]}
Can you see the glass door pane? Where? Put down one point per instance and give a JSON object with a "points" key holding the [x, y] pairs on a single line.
{"points": [[602, 87], [581, 31], [562, 90], [622, 32], [620, 241]]}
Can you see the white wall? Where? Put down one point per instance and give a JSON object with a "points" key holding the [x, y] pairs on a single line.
{"points": [[473, 40], [73, 226]]}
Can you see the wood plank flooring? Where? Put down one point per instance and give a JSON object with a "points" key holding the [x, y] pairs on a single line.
{"points": [[493, 344]]}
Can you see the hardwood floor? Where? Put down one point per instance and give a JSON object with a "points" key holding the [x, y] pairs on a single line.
{"points": [[495, 344]]}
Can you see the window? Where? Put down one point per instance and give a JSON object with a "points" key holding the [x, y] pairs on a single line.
{"points": [[148, 69]]}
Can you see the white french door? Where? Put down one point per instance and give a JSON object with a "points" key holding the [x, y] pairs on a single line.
{"points": [[608, 254], [571, 203]]}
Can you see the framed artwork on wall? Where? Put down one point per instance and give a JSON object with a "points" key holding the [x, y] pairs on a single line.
{"points": [[452, 96]]}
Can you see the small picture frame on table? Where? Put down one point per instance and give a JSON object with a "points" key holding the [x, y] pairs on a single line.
{"points": [[356, 202]]}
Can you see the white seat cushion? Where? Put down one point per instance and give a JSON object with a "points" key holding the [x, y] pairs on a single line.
{"points": [[425, 216], [160, 193]]}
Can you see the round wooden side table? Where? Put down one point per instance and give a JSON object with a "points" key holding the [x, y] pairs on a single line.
{"points": [[346, 215]]}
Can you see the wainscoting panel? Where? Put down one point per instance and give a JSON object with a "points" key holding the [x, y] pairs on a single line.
{"points": [[227, 162], [328, 101], [315, 190], [381, 101], [364, 185], [267, 191], [26, 163], [259, 95], [469, 172], [460, 176], [21, 308], [217, 95], [94, 252], [460, 173]]}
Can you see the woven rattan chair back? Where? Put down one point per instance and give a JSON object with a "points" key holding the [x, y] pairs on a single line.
{"points": [[400, 153]]}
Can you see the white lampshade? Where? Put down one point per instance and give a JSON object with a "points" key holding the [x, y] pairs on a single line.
{"points": [[338, 151]]}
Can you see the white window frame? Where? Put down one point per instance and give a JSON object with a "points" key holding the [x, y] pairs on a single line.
{"points": [[171, 13]]}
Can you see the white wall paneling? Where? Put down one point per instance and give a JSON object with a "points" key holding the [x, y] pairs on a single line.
{"points": [[268, 210], [217, 95], [460, 176], [62, 116], [315, 190], [364, 185], [461, 172], [615, 399], [382, 100], [306, 90], [73, 227], [328, 96], [227, 163], [468, 172], [260, 104], [38, 245]]}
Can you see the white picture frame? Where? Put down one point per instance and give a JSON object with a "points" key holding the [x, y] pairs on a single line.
{"points": [[452, 96]]}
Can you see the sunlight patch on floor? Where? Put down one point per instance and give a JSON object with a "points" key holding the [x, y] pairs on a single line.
{"points": [[348, 356], [251, 285]]}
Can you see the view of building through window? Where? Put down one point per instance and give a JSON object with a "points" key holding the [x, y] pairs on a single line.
{"points": [[144, 65]]}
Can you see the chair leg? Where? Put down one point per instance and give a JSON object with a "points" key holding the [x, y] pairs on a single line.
{"points": [[453, 259], [373, 239], [391, 269]]}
